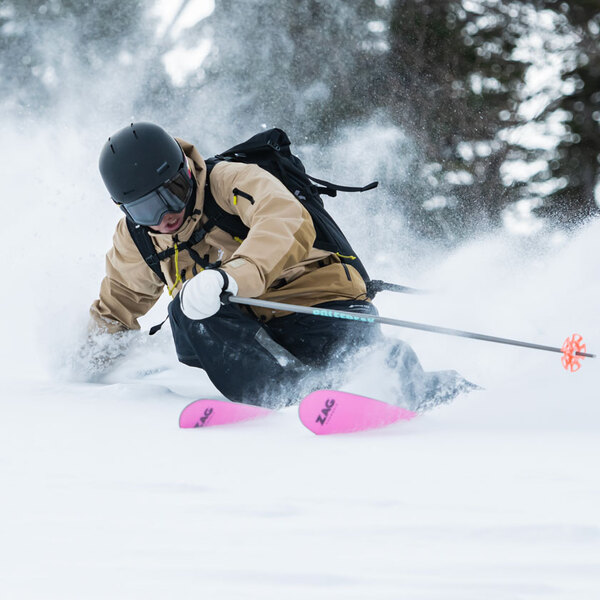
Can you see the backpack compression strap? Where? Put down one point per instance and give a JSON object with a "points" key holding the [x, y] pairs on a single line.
{"points": [[331, 189]]}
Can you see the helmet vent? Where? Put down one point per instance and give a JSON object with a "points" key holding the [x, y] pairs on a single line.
{"points": [[113, 149], [162, 168]]}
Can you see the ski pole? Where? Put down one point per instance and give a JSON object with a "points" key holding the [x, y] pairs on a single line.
{"points": [[571, 349], [376, 285]]}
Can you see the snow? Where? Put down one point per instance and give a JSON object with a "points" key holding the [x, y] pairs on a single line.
{"points": [[174, 17], [181, 62], [494, 496]]}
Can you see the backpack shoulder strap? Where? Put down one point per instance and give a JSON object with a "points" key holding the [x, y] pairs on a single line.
{"points": [[217, 216], [144, 244]]}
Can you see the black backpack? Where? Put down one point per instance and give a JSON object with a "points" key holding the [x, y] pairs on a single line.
{"points": [[269, 150]]}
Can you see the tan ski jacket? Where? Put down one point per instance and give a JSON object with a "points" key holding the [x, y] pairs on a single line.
{"points": [[275, 262]]}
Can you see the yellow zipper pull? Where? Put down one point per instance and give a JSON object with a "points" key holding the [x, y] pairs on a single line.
{"points": [[178, 276]]}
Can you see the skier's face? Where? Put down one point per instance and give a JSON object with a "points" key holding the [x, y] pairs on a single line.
{"points": [[170, 223]]}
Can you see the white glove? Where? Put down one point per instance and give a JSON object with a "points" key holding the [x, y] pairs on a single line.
{"points": [[200, 296]]}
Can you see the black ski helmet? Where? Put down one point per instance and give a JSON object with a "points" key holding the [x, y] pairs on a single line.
{"points": [[142, 165]]}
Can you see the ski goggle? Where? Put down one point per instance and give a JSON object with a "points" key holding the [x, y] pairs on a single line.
{"points": [[171, 196]]}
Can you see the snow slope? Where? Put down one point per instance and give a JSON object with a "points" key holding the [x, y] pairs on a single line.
{"points": [[493, 497]]}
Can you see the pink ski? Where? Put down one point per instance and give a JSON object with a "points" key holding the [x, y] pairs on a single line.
{"points": [[330, 411], [206, 413]]}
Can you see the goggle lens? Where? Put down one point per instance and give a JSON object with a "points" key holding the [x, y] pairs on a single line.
{"points": [[172, 196]]}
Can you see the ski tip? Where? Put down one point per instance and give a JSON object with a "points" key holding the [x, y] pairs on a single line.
{"points": [[329, 411], [208, 413]]}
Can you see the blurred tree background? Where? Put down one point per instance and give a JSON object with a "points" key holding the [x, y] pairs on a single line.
{"points": [[499, 99]]}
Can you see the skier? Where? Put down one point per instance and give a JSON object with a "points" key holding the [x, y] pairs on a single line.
{"points": [[251, 355]]}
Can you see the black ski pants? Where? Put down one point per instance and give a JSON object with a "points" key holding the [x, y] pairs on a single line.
{"points": [[273, 363], [278, 362]]}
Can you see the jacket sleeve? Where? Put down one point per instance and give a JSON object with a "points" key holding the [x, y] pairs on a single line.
{"points": [[281, 229], [130, 288]]}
